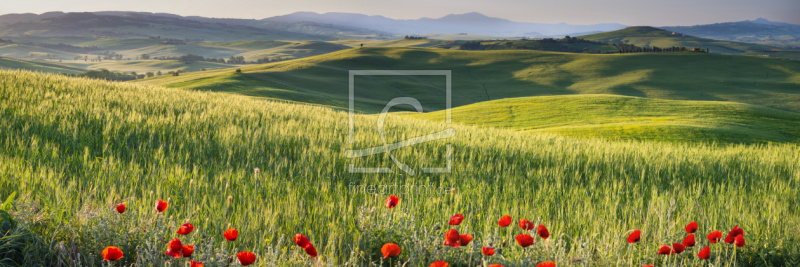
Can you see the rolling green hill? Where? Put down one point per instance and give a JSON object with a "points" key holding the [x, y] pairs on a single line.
{"points": [[285, 49], [33, 52], [70, 40], [760, 31], [205, 49], [571, 45], [142, 66], [132, 49], [252, 50], [488, 75], [43, 66], [72, 148], [632, 118], [118, 44], [408, 43], [649, 36]]}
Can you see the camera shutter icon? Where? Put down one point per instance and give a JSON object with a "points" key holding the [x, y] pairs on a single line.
{"points": [[387, 148]]}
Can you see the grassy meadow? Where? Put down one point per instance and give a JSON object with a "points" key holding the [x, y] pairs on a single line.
{"points": [[490, 75], [650, 36], [164, 66], [632, 118], [41, 66], [70, 148]]}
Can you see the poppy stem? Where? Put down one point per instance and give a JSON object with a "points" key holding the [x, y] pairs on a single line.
{"points": [[547, 246], [630, 263]]}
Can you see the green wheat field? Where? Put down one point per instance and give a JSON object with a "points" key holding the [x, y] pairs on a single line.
{"points": [[72, 148]]}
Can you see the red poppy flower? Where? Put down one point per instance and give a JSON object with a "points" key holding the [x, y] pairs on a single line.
{"points": [[174, 248], [739, 241], [452, 244], [301, 240], [452, 236], [737, 231], [543, 232], [175, 244], [504, 221], [440, 264], [196, 263], [495, 265], [524, 240], [488, 251], [173, 253], [546, 264], [664, 250], [161, 205], [689, 241], [714, 236], [230, 234], [647, 265], [525, 224], [112, 254], [705, 253], [456, 219], [635, 236], [691, 228], [465, 239], [729, 239], [392, 201], [121, 207], [390, 250], [187, 250], [733, 234], [311, 251], [185, 229], [246, 258], [677, 248]]}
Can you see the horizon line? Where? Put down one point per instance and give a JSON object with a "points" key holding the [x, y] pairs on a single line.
{"points": [[377, 15]]}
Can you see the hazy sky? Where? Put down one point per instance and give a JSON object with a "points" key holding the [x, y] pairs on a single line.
{"points": [[628, 12]]}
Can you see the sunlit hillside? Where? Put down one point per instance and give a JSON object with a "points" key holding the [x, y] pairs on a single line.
{"points": [[73, 148]]}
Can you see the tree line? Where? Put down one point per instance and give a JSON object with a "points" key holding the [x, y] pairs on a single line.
{"points": [[189, 58], [629, 48], [572, 45], [104, 74], [566, 44]]}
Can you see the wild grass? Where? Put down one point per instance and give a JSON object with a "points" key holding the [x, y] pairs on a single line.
{"points": [[649, 36], [490, 75], [43, 66], [72, 147], [632, 118], [32, 52], [143, 66]]}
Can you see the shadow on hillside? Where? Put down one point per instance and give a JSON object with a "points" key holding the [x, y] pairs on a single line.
{"points": [[480, 76]]}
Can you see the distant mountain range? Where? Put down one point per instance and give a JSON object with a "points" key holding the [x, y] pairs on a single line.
{"points": [[310, 25], [122, 24], [332, 26], [133, 25], [759, 30], [469, 23]]}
